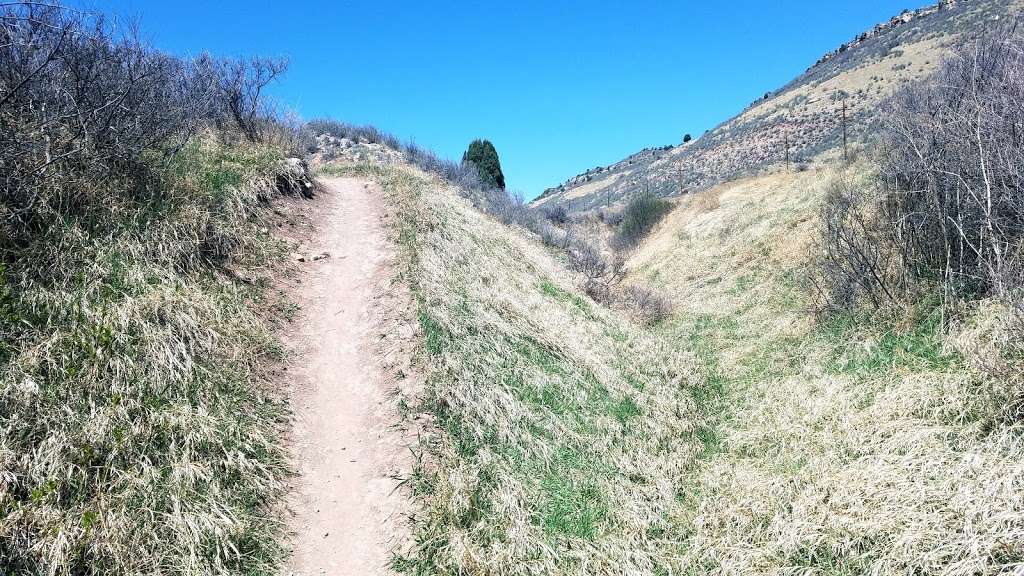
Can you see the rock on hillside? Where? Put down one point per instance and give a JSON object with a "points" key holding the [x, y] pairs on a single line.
{"points": [[806, 114]]}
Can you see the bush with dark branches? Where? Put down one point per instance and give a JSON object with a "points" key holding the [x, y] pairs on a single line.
{"points": [[947, 208]]}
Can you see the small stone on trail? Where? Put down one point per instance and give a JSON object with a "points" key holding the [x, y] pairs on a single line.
{"points": [[321, 256]]}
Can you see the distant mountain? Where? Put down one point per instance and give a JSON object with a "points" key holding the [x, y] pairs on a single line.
{"points": [[804, 115]]}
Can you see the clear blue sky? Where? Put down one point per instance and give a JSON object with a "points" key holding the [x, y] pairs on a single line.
{"points": [[559, 87]]}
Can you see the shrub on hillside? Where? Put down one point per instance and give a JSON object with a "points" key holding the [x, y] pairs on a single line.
{"points": [[947, 208], [639, 217], [367, 134], [557, 214], [857, 263], [481, 153], [85, 114], [600, 272]]}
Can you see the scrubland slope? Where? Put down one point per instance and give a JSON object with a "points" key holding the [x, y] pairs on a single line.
{"points": [[139, 433], [805, 115]]}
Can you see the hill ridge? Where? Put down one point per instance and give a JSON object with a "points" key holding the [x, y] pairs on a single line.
{"points": [[804, 115]]}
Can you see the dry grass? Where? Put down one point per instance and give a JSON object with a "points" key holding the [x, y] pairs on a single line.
{"points": [[562, 436], [846, 448], [137, 435]]}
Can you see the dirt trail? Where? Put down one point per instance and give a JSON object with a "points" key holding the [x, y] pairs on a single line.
{"points": [[347, 510]]}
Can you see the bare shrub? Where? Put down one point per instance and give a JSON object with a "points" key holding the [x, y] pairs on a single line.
{"points": [[648, 306], [611, 217], [856, 256], [554, 236], [600, 272], [557, 214], [949, 206], [952, 165], [86, 115], [366, 133], [242, 83]]}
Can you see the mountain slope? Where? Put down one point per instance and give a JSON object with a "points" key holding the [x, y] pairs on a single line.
{"points": [[806, 114]]}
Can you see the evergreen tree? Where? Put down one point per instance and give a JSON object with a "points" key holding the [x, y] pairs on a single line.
{"points": [[483, 155]]}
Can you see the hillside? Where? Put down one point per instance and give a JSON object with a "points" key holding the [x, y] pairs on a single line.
{"points": [[554, 434], [237, 343], [806, 113], [851, 446]]}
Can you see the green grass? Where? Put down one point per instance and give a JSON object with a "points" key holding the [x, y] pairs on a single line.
{"points": [[879, 348], [579, 302]]}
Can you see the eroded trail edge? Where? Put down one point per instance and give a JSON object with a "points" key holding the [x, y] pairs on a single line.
{"points": [[347, 510]]}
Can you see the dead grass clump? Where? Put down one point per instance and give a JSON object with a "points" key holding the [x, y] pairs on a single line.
{"points": [[706, 201], [647, 305]]}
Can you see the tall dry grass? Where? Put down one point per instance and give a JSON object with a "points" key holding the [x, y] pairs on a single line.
{"points": [[561, 435], [138, 433], [864, 445]]}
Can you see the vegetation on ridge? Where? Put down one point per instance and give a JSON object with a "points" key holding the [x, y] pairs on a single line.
{"points": [[137, 431]]}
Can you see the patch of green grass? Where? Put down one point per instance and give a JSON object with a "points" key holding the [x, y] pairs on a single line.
{"points": [[625, 410], [549, 289], [861, 349], [435, 336], [743, 284], [572, 507]]}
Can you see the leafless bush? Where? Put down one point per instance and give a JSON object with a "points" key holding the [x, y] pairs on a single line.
{"points": [[600, 272], [557, 214], [86, 115], [649, 306], [611, 217], [856, 254], [367, 133], [953, 169], [552, 235], [242, 83], [949, 206]]}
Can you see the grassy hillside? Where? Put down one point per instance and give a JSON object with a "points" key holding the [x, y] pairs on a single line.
{"points": [[139, 433], [738, 437], [560, 435], [856, 445], [806, 113]]}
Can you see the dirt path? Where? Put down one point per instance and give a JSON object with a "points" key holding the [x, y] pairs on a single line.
{"points": [[346, 508]]}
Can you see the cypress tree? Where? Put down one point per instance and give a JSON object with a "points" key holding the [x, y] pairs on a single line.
{"points": [[483, 155]]}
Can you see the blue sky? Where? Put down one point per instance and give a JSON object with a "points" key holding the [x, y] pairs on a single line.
{"points": [[559, 87]]}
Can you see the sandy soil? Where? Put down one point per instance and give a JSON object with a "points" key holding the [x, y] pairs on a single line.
{"points": [[347, 513]]}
